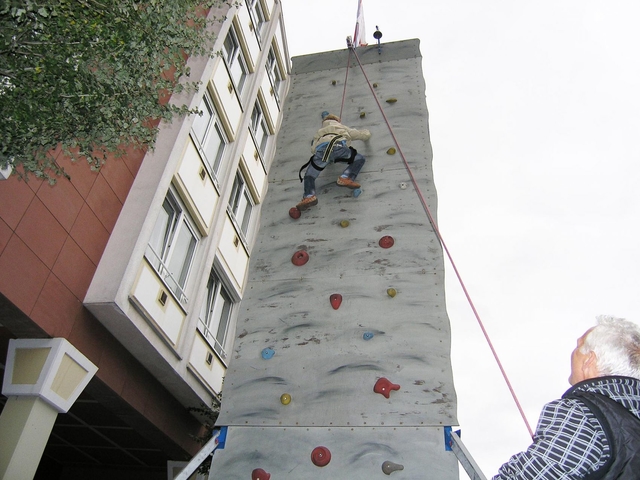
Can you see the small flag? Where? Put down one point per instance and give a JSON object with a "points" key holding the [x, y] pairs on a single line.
{"points": [[359, 36]]}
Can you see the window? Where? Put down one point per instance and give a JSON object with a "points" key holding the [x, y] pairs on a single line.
{"points": [[208, 136], [234, 58], [275, 73], [258, 17], [215, 315], [172, 246], [240, 204], [259, 128]]}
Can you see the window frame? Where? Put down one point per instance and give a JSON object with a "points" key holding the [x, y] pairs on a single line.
{"points": [[213, 129], [240, 191], [215, 290], [177, 222], [235, 58], [258, 17], [260, 121], [274, 72]]}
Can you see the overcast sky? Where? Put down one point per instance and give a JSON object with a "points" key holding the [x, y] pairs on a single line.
{"points": [[534, 111]]}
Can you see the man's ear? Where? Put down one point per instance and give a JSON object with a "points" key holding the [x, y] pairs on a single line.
{"points": [[590, 366]]}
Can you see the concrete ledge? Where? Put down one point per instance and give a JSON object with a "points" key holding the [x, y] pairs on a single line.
{"points": [[367, 55]]}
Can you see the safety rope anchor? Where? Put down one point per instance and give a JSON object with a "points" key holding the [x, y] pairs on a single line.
{"points": [[349, 42]]}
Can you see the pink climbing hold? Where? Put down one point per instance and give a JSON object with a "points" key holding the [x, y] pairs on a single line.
{"points": [[320, 456], [294, 212], [386, 242], [336, 300], [260, 474], [383, 386], [300, 258]]}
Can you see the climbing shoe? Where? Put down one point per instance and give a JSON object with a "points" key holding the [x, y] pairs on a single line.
{"points": [[347, 182], [307, 203]]}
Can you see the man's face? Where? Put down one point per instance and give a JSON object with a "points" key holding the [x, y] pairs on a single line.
{"points": [[578, 361]]}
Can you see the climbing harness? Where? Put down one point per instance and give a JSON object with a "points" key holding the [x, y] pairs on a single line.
{"points": [[326, 157], [427, 210]]}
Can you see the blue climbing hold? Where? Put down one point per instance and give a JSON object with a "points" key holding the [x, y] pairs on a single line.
{"points": [[357, 192], [268, 353], [367, 335], [324, 114]]}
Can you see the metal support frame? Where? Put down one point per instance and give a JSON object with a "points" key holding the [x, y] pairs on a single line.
{"points": [[454, 443], [216, 442]]}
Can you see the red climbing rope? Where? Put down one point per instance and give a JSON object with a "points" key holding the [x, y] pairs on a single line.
{"points": [[444, 246]]}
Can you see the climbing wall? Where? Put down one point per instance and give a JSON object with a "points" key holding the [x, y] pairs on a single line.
{"points": [[341, 363]]}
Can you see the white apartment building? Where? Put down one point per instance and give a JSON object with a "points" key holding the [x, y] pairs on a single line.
{"points": [[173, 273]]}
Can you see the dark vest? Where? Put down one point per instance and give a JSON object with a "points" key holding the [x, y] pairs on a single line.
{"points": [[622, 429]]}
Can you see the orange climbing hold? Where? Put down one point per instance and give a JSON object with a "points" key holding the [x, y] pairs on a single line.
{"points": [[320, 456], [260, 474], [386, 242], [300, 258], [383, 386], [336, 300], [294, 212]]}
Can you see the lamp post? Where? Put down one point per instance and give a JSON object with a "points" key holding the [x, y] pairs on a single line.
{"points": [[42, 377]]}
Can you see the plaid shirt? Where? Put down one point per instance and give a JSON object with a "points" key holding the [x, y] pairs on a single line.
{"points": [[569, 442]]}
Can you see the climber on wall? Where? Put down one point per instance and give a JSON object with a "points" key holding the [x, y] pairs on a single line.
{"points": [[332, 143]]}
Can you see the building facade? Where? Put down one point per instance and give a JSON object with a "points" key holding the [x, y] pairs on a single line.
{"points": [[142, 265]]}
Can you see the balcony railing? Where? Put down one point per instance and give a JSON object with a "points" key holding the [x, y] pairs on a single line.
{"points": [[165, 275], [213, 341]]}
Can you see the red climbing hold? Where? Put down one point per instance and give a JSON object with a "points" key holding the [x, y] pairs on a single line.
{"points": [[336, 300], [320, 456], [300, 258], [384, 387], [386, 242], [260, 474], [294, 212]]}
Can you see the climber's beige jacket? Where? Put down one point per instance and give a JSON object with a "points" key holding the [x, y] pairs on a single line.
{"points": [[331, 128]]}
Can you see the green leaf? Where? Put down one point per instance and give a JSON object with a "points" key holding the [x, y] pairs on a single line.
{"points": [[86, 75]]}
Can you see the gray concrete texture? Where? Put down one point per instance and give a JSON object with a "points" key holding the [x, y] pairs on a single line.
{"points": [[321, 358]]}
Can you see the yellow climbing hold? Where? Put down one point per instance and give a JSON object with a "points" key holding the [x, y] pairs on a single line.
{"points": [[285, 399], [333, 82], [375, 85], [391, 151], [362, 114], [392, 100], [391, 292], [344, 223]]}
